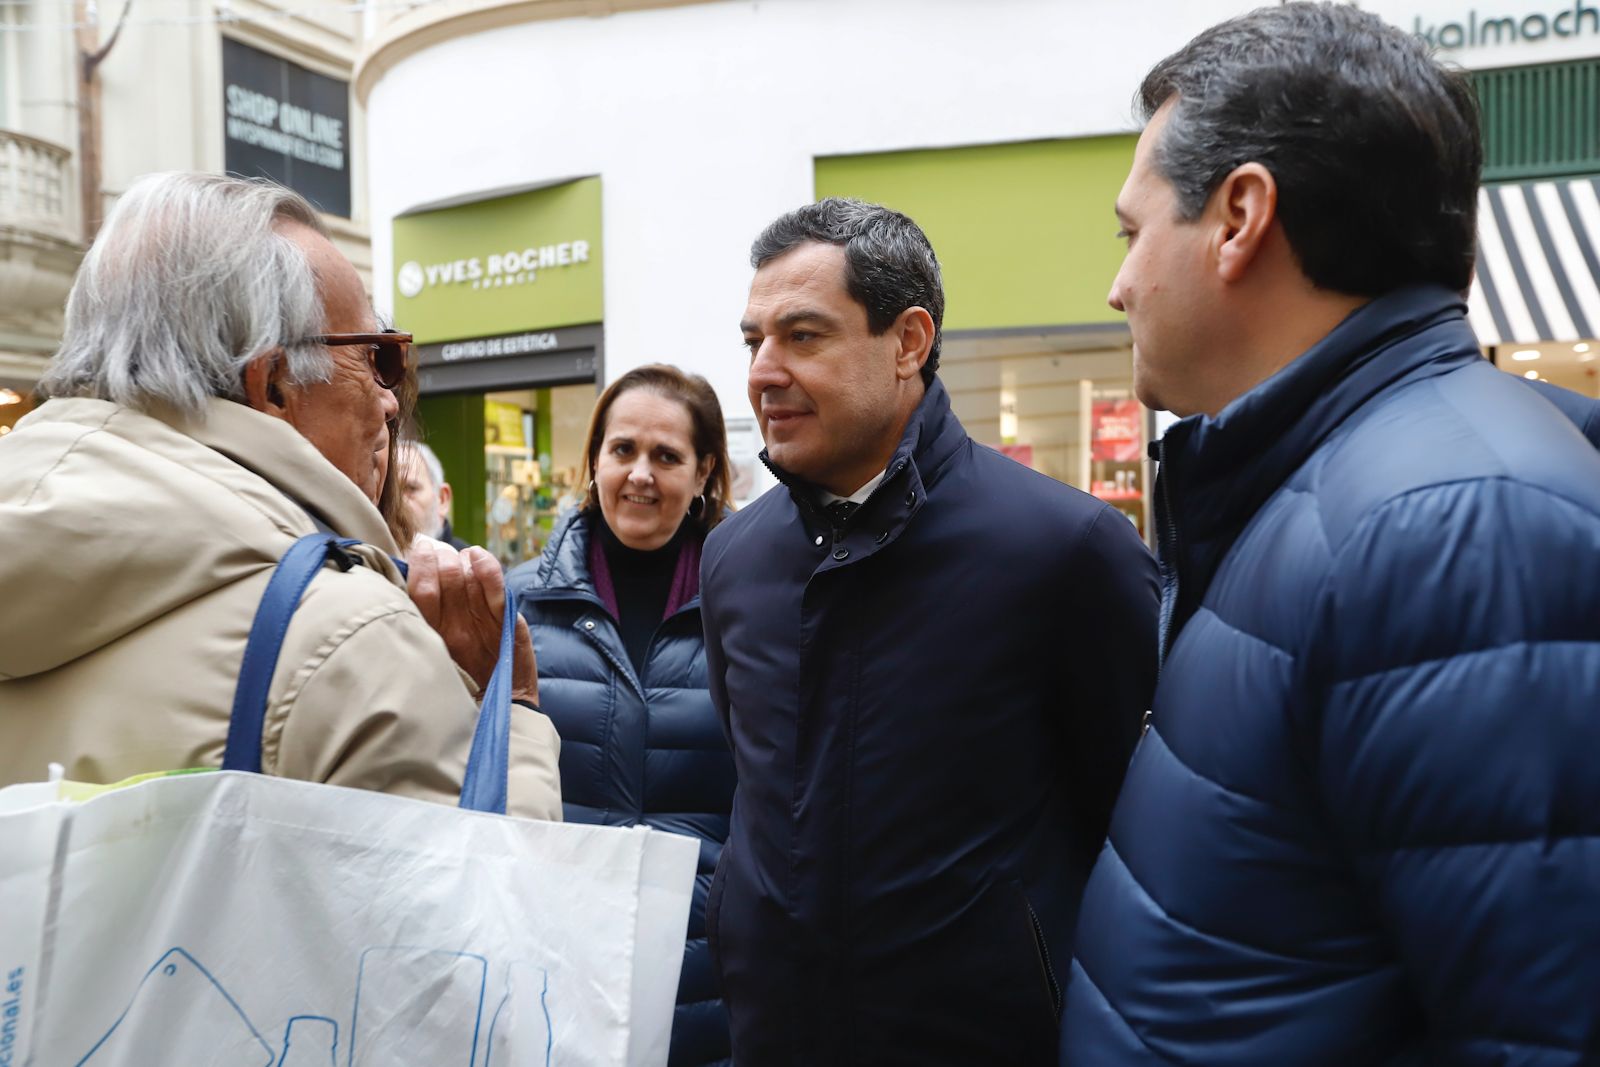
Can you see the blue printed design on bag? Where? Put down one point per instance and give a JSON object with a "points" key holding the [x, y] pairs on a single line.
{"points": [[516, 1020], [407, 998], [314, 1043], [181, 1014], [405, 992]]}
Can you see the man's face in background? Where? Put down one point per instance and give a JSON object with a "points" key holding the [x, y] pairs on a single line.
{"points": [[429, 506]]}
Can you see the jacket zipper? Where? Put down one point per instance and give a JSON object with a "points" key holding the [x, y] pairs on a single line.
{"points": [[1044, 958], [1167, 550]]}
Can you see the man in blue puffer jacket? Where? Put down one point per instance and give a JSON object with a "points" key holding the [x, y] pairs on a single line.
{"points": [[1364, 824]]}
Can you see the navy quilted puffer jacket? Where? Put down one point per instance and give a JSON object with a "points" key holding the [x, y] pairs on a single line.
{"points": [[1364, 827], [634, 750]]}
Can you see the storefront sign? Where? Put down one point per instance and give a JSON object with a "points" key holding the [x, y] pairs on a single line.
{"points": [[284, 122], [1114, 435], [502, 271], [1481, 31], [489, 272], [521, 360], [495, 347], [1500, 32]]}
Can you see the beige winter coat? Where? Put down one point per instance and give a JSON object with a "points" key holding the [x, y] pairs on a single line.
{"points": [[133, 554]]}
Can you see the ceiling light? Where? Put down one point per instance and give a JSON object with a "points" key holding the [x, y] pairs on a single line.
{"points": [[1524, 354], [1581, 346], [9, 396], [1530, 375]]}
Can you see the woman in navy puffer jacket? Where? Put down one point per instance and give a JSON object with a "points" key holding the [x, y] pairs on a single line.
{"points": [[614, 606]]}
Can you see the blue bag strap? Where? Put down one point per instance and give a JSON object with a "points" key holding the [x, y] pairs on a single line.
{"points": [[483, 788], [295, 570], [488, 765]]}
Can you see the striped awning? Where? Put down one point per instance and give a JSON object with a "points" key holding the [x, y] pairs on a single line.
{"points": [[1538, 263]]}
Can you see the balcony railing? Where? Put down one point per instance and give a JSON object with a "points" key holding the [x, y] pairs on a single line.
{"points": [[35, 185]]}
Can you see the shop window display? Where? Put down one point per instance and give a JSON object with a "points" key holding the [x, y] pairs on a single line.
{"points": [[1061, 403], [1572, 365], [533, 456]]}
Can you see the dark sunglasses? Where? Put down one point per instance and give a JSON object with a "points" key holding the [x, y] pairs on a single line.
{"points": [[388, 352]]}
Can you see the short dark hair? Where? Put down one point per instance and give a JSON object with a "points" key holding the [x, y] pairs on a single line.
{"points": [[889, 263], [705, 415], [1373, 144]]}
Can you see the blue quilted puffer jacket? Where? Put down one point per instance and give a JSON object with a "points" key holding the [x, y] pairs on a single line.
{"points": [[1364, 825], [634, 750]]}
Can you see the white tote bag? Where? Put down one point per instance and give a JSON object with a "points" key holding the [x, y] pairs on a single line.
{"points": [[241, 920]]}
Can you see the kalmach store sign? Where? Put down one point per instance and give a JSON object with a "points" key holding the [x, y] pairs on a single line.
{"points": [[287, 123], [1501, 33]]}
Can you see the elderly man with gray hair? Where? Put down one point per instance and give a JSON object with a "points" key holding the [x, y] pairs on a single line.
{"points": [[224, 388], [426, 493]]}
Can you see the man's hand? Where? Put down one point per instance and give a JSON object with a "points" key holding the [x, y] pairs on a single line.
{"points": [[462, 595]]}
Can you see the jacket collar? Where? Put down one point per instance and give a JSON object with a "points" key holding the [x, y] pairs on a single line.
{"points": [[564, 564], [931, 437], [275, 450], [563, 572], [1217, 472]]}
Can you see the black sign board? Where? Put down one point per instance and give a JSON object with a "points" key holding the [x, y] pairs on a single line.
{"points": [[284, 122], [513, 361]]}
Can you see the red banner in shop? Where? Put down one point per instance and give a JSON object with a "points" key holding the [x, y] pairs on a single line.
{"points": [[1023, 454], [1114, 434]]}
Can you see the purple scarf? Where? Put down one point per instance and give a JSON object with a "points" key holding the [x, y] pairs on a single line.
{"points": [[685, 575]]}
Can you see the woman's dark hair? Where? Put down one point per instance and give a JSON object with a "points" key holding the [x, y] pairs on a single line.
{"points": [[402, 429], [1373, 144], [705, 416]]}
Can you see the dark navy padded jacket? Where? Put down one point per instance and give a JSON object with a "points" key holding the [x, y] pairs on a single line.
{"points": [[1364, 827], [931, 710], [634, 750]]}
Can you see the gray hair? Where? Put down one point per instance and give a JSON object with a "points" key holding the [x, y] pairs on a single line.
{"points": [[429, 460], [190, 279]]}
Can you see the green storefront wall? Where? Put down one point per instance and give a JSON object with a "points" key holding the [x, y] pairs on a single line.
{"points": [[452, 425], [1025, 232], [440, 254], [529, 261]]}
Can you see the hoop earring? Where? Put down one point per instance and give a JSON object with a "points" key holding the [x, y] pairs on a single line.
{"points": [[697, 506]]}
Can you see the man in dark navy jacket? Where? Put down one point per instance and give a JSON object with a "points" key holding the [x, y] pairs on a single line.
{"points": [[932, 663], [1364, 826]]}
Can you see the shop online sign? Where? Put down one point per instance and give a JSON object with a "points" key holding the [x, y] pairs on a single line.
{"points": [[507, 266]]}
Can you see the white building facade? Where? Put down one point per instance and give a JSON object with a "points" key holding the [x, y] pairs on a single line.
{"points": [[1005, 128]]}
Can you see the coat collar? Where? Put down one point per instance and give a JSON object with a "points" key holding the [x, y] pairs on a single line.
{"points": [[275, 450], [1217, 472], [564, 564], [563, 569], [931, 437]]}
